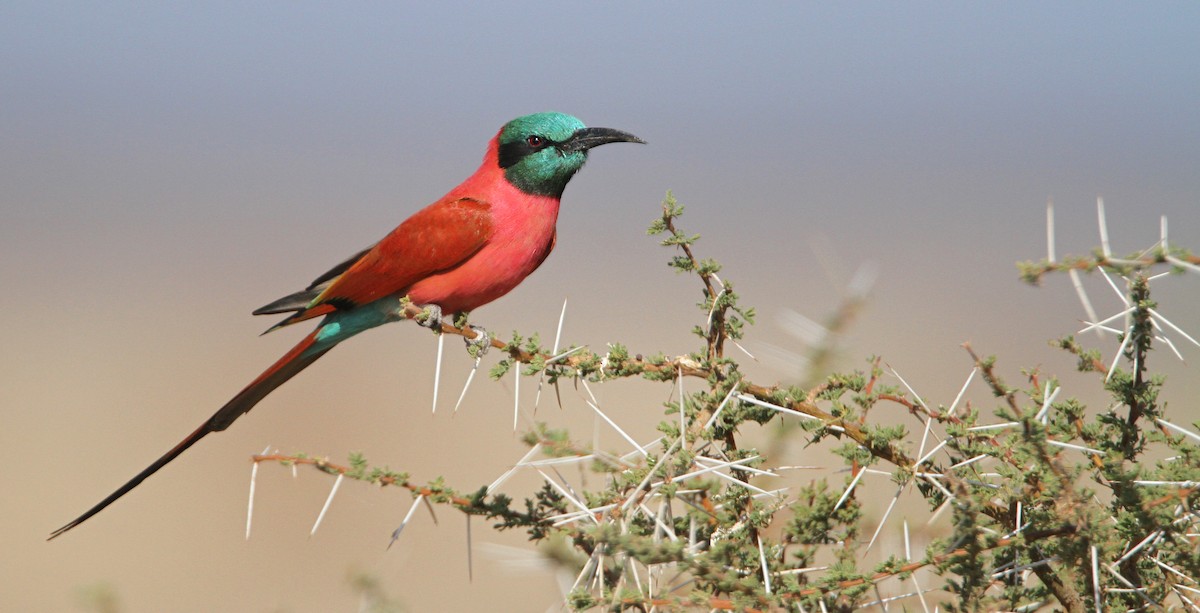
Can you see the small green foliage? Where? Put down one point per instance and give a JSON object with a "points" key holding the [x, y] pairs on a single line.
{"points": [[500, 369], [358, 465], [581, 599], [461, 320], [882, 436]]}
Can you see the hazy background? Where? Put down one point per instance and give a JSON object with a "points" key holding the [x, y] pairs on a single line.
{"points": [[164, 171]]}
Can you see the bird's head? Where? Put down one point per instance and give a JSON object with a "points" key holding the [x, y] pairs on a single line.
{"points": [[541, 152]]}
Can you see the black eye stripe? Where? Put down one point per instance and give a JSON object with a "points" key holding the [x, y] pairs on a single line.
{"points": [[511, 152]]}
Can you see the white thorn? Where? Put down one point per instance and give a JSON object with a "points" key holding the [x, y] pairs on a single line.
{"points": [[585, 571], [614, 426], [1047, 400], [920, 401], [850, 488], [470, 557], [749, 469], [931, 452], [566, 353], [659, 526], [1171, 569], [1189, 601], [1050, 232], [762, 557], [775, 407], [1139, 591], [587, 388], [970, 461], [1100, 324], [934, 482], [1103, 227], [1136, 548], [719, 281], [1171, 484], [437, 369], [574, 459], [516, 394], [1005, 425], [970, 377], [508, 473], [887, 513], [712, 420], [407, 516], [925, 438], [1117, 358], [1077, 283], [558, 333], [920, 594], [566, 494], [649, 474], [537, 398], [740, 483], [907, 546], [1183, 431], [250, 504], [744, 350], [1174, 327], [938, 511], [710, 469], [1075, 447], [333, 492], [708, 324], [466, 386], [1113, 285], [682, 406], [1183, 264]]}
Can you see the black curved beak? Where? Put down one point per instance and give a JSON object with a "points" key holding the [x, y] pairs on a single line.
{"points": [[586, 138]]}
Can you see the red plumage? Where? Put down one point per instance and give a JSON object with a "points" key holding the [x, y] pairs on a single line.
{"points": [[468, 248]]}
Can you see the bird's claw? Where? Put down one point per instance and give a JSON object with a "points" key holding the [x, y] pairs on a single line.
{"points": [[481, 343], [430, 318]]}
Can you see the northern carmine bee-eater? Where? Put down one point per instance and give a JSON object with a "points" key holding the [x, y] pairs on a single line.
{"points": [[472, 246]]}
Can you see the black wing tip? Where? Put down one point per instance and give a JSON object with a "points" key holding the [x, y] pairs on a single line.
{"points": [[296, 301], [283, 305]]}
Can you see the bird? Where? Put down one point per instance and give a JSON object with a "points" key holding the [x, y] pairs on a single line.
{"points": [[468, 248]]}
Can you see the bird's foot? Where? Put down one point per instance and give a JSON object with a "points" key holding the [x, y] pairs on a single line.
{"points": [[430, 318], [479, 345]]}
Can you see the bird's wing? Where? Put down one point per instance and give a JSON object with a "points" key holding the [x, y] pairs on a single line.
{"points": [[437, 238], [300, 300]]}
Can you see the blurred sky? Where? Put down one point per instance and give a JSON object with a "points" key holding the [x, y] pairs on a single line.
{"points": [[166, 169]]}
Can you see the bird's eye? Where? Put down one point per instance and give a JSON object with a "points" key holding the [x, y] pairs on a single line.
{"points": [[535, 141]]}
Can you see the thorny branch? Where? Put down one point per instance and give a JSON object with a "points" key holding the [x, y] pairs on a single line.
{"points": [[743, 551]]}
